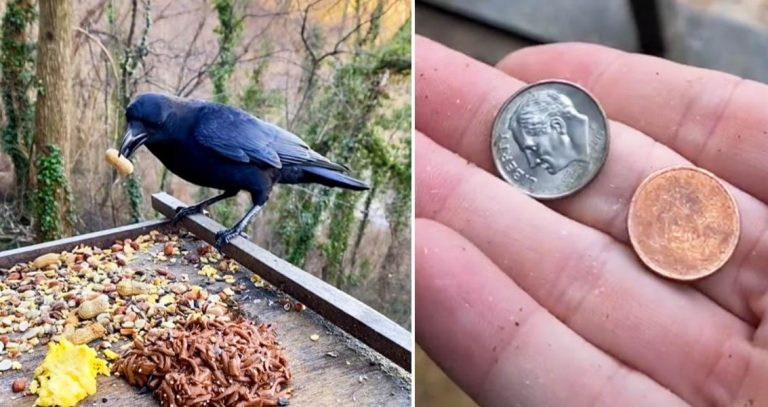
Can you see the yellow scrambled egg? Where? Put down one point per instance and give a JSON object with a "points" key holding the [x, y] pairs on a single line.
{"points": [[67, 375], [208, 271], [110, 355]]}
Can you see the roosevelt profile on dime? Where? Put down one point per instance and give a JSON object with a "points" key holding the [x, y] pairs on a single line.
{"points": [[550, 131], [550, 139]]}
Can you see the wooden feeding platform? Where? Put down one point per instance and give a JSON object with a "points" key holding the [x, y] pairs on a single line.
{"points": [[340, 351]]}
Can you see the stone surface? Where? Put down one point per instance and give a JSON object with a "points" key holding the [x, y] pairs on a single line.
{"points": [[477, 40], [434, 387], [730, 36], [727, 35], [608, 22]]}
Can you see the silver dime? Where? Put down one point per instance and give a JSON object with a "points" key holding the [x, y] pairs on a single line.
{"points": [[550, 139]]}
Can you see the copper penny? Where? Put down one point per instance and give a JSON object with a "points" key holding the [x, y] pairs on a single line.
{"points": [[683, 223]]}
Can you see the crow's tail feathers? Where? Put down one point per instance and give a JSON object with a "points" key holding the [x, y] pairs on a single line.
{"points": [[331, 178]]}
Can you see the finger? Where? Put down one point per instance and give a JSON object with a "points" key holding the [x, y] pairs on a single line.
{"points": [[587, 280], [500, 345], [445, 77], [714, 119]]}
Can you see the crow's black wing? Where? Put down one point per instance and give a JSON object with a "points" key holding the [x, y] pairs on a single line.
{"points": [[231, 134], [241, 137]]}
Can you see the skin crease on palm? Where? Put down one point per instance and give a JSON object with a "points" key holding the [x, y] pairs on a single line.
{"points": [[533, 303]]}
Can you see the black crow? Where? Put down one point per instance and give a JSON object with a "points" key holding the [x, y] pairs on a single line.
{"points": [[219, 146]]}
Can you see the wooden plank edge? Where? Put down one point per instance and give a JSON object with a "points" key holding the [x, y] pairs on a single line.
{"points": [[348, 313], [101, 238]]}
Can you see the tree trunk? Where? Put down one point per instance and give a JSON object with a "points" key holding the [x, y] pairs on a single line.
{"points": [[17, 64], [52, 118]]}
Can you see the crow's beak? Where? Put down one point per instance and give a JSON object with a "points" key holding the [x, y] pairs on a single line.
{"points": [[135, 136]]}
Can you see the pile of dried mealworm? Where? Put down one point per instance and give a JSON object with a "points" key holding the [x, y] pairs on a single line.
{"points": [[210, 363]]}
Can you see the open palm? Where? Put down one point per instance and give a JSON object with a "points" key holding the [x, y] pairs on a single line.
{"points": [[545, 304]]}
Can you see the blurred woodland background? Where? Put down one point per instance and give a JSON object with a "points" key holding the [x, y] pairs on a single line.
{"points": [[335, 72]]}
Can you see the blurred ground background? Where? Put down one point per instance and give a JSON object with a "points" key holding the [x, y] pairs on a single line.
{"points": [[335, 72], [728, 35]]}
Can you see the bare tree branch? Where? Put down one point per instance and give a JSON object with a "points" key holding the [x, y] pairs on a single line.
{"points": [[316, 60], [129, 40], [303, 31], [92, 14], [188, 54], [161, 15], [103, 48]]}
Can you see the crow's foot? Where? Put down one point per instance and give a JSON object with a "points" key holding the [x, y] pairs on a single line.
{"points": [[225, 236], [184, 211]]}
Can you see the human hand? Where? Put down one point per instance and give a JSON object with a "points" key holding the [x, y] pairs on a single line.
{"points": [[545, 304]]}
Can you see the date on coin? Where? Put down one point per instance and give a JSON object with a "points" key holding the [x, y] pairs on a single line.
{"points": [[550, 139], [683, 223]]}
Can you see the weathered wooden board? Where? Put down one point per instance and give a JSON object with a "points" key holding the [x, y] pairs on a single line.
{"points": [[102, 238], [355, 375], [336, 306]]}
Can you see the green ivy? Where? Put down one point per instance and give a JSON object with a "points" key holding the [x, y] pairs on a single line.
{"points": [[228, 31], [339, 231], [350, 120], [135, 197], [131, 58], [17, 62], [300, 221], [257, 98], [52, 190], [111, 15]]}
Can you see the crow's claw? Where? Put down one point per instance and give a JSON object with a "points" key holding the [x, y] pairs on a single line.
{"points": [[184, 211], [225, 236]]}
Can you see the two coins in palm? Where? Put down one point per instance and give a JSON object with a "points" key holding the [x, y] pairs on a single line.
{"points": [[551, 139]]}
